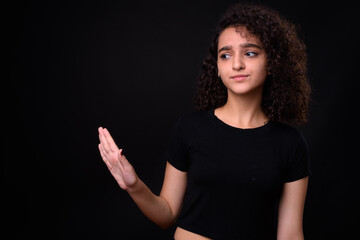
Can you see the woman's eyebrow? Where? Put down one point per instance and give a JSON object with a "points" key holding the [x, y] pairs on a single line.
{"points": [[225, 48], [243, 45]]}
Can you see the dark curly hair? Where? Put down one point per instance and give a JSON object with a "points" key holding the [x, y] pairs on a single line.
{"points": [[286, 92]]}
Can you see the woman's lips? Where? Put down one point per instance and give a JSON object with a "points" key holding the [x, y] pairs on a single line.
{"points": [[240, 77]]}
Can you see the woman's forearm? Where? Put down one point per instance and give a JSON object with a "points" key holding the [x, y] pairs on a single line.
{"points": [[153, 207], [294, 236]]}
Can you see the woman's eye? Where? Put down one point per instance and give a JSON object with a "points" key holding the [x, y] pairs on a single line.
{"points": [[225, 56], [251, 54]]}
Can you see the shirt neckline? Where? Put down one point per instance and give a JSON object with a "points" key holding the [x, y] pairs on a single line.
{"points": [[225, 125]]}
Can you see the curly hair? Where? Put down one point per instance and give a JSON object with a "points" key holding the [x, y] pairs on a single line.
{"points": [[286, 91]]}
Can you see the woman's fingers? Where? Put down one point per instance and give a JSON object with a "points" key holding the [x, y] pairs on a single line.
{"points": [[102, 154], [110, 141], [107, 141], [103, 140], [101, 151]]}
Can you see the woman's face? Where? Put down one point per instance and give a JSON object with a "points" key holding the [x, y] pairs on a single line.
{"points": [[241, 61]]}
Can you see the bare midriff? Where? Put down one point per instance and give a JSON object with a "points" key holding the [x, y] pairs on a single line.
{"points": [[182, 234]]}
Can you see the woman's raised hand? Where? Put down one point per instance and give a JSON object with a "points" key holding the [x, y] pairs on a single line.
{"points": [[120, 168]]}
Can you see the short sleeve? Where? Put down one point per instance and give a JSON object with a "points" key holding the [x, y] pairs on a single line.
{"points": [[299, 163], [176, 153]]}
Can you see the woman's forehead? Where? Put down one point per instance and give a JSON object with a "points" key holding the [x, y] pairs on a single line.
{"points": [[238, 34]]}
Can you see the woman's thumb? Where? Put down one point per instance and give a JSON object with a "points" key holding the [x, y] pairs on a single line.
{"points": [[122, 157], [121, 152]]}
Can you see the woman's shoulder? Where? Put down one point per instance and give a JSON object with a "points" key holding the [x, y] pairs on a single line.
{"points": [[287, 131], [192, 119]]}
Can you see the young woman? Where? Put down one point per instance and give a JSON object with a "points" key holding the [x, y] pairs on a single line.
{"points": [[236, 168]]}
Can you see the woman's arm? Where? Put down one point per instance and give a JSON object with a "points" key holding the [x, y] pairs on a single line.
{"points": [[162, 210], [291, 208]]}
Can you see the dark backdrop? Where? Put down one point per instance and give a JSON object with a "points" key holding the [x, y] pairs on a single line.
{"points": [[132, 67]]}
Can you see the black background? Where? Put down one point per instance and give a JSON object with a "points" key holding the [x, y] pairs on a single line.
{"points": [[132, 67]]}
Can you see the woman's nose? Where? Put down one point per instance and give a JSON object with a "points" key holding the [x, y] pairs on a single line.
{"points": [[238, 63]]}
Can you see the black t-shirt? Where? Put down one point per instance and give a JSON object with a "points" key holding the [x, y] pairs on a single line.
{"points": [[235, 176]]}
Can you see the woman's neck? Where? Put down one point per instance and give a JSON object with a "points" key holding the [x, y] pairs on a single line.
{"points": [[242, 111]]}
